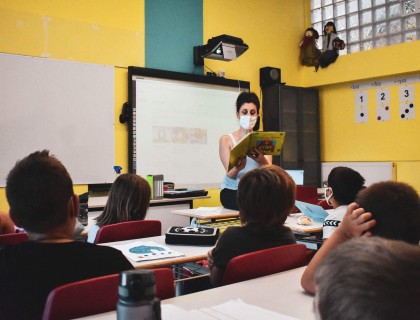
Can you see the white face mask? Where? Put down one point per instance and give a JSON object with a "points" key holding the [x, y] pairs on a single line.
{"points": [[327, 198], [248, 122]]}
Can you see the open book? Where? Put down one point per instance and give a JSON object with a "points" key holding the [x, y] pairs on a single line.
{"points": [[268, 143]]}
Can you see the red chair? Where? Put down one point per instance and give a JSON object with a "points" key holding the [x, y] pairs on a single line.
{"points": [[129, 230], [324, 204], [307, 194], [13, 238], [97, 295], [264, 262]]}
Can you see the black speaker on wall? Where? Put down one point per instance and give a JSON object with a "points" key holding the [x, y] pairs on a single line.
{"points": [[269, 76]]}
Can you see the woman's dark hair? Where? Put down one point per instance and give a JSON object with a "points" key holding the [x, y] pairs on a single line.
{"points": [[247, 97], [345, 183], [396, 208], [266, 196], [328, 25], [128, 200]]}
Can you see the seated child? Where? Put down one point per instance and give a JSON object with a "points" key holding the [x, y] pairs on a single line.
{"points": [[266, 196], [342, 186], [42, 201], [372, 278], [128, 200], [387, 209]]}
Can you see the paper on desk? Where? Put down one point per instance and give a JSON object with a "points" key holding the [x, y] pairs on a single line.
{"points": [[210, 209], [146, 250], [231, 310]]}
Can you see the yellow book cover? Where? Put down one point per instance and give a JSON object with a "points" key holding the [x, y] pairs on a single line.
{"points": [[268, 143]]}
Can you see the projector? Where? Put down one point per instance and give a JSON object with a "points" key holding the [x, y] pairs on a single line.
{"points": [[224, 47]]}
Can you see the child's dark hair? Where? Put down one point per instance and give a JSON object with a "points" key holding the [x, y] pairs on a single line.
{"points": [[345, 183], [266, 196], [396, 208], [128, 200]]}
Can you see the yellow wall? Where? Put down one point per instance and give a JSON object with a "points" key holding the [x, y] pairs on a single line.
{"points": [[344, 140], [109, 32], [271, 29]]}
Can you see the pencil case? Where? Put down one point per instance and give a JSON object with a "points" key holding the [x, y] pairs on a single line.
{"points": [[204, 236]]}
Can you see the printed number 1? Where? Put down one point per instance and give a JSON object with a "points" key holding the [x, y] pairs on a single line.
{"points": [[361, 98]]}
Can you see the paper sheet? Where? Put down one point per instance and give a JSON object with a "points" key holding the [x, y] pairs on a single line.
{"points": [[146, 250]]}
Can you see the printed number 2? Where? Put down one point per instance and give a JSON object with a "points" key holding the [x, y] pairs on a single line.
{"points": [[382, 96]]}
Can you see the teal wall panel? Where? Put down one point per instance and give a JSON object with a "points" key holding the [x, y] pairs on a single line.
{"points": [[173, 28]]}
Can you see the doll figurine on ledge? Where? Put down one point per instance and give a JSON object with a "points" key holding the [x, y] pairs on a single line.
{"points": [[309, 51], [330, 45]]}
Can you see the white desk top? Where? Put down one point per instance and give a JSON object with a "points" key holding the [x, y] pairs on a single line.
{"points": [[279, 292], [100, 202], [191, 253], [221, 213]]}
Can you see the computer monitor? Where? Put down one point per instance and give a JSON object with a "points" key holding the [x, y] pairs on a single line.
{"points": [[297, 176]]}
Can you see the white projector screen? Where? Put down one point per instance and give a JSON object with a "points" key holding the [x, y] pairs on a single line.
{"points": [[177, 125]]}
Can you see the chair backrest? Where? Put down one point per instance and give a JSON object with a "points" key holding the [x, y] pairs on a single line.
{"points": [[97, 295], [307, 194], [129, 230], [264, 262], [13, 238]]}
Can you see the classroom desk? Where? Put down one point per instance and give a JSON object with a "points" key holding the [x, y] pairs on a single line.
{"points": [[191, 253], [158, 210], [98, 203], [279, 292], [222, 213]]}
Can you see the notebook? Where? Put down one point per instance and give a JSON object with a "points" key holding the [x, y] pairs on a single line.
{"points": [[317, 213]]}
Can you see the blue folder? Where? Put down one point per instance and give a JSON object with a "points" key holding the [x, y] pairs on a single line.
{"points": [[317, 213]]}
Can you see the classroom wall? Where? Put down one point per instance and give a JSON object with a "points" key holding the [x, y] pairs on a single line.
{"points": [[112, 32], [107, 32], [342, 139]]}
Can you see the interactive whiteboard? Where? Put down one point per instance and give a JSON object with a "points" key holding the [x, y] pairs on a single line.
{"points": [[178, 120]]}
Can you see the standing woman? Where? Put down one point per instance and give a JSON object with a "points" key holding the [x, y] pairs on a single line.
{"points": [[247, 109]]}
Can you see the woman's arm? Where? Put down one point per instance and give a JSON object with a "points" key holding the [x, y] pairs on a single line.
{"points": [[356, 222], [225, 146]]}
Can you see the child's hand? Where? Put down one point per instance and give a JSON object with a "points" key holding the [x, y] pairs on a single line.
{"points": [[356, 222], [258, 156]]}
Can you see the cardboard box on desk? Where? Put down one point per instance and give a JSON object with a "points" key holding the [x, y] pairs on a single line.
{"points": [[203, 236]]}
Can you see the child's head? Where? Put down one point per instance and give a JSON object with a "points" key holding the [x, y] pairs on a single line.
{"points": [[369, 278], [128, 200], [395, 207], [345, 183], [266, 196], [39, 190]]}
